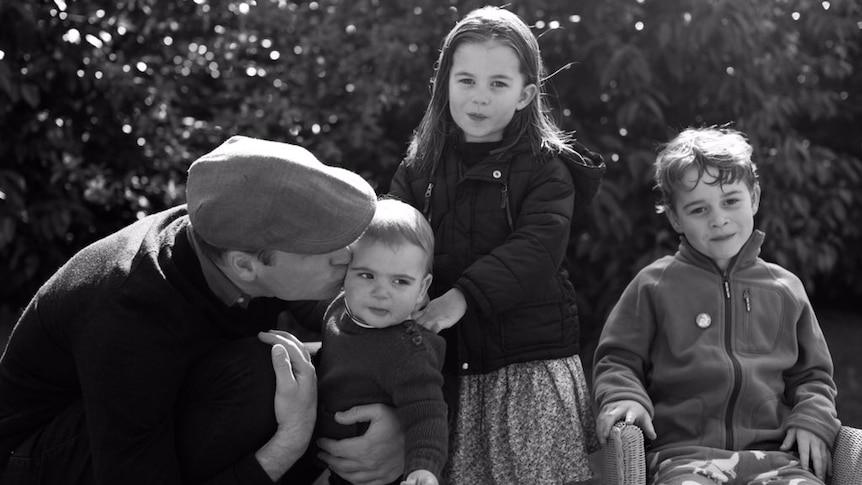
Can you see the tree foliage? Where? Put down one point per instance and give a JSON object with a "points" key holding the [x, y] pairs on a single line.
{"points": [[104, 105]]}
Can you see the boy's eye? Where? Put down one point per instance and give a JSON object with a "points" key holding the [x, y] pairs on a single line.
{"points": [[499, 84], [731, 201], [402, 282], [697, 210], [366, 276]]}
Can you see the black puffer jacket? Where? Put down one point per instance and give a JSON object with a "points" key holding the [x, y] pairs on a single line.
{"points": [[501, 229]]}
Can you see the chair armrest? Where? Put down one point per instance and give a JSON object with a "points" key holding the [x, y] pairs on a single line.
{"points": [[623, 459], [847, 457]]}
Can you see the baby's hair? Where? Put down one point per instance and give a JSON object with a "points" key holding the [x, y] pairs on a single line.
{"points": [[723, 149], [479, 26], [396, 223]]}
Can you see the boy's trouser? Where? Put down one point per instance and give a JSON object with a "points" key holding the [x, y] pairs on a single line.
{"points": [[224, 412], [709, 466]]}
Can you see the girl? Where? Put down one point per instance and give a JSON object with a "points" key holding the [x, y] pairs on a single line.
{"points": [[499, 182]]}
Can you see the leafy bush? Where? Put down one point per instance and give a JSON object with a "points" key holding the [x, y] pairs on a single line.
{"points": [[104, 105]]}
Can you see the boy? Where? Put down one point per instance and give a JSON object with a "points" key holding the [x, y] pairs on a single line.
{"points": [[713, 352], [372, 351]]}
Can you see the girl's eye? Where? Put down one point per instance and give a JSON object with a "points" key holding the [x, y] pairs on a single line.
{"points": [[465, 80], [401, 282], [697, 210], [499, 84], [366, 276]]}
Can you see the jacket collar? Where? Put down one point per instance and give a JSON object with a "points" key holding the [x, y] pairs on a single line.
{"points": [[745, 258]]}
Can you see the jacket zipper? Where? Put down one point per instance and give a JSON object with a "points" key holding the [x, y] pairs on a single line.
{"points": [[426, 209], [504, 204], [737, 372]]}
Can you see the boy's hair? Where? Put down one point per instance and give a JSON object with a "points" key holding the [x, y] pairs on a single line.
{"points": [[723, 149], [395, 223], [482, 25]]}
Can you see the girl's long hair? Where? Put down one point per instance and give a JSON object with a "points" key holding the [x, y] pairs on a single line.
{"points": [[437, 126]]}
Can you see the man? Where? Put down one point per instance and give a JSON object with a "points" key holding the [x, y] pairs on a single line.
{"points": [[140, 360]]}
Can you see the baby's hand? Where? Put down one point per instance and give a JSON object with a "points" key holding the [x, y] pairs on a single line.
{"points": [[632, 411], [813, 451], [420, 477], [442, 312]]}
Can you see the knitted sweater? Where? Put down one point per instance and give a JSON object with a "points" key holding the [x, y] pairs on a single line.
{"points": [[398, 366]]}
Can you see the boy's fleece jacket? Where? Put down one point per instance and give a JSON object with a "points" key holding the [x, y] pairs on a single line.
{"points": [[727, 360]]}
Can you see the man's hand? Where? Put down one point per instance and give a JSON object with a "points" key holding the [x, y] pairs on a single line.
{"points": [[813, 451], [295, 403], [442, 312], [420, 477], [376, 457], [632, 412]]}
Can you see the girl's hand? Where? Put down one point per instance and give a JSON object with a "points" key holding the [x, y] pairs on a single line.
{"points": [[442, 312]]}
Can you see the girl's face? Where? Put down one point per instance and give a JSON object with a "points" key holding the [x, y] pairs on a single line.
{"points": [[716, 220], [486, 87]]}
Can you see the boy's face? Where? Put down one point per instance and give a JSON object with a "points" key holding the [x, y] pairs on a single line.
{"points": [[384, 284], [716, 220]]}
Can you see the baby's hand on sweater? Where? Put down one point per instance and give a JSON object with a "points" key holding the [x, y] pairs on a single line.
{"points": [[813, 451], [632, 412], [420, 477]]}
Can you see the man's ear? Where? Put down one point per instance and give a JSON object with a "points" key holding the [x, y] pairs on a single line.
{"points": [[527, 94], [241, 264]]}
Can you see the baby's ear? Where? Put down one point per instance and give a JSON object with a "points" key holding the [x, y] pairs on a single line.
{"points": [[426, 284]]}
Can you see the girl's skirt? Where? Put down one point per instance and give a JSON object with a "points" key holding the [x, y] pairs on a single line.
{"points": [[525, 423]]}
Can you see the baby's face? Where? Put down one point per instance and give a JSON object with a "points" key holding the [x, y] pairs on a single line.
{"points": [[384, 283], [716, 220]]}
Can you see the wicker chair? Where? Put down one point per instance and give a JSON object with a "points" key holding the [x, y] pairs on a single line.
{"points": [[624, 463]]}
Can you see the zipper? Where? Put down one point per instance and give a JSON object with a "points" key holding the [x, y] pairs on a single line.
{"points": [[504, 204], [426, 208], [737, 371]]}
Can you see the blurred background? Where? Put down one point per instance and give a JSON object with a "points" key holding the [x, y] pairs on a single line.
{"points": [[103, 106]]}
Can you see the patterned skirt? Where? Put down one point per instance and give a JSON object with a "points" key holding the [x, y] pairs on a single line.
{"points": [[525, 423]]}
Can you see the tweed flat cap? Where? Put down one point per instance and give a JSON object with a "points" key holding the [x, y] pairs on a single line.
{"points": [[251, 194]]}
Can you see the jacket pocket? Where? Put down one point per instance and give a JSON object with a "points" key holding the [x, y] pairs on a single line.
{"points": [[763, 315], [680, 419], [535, 326], [766, 420]]}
